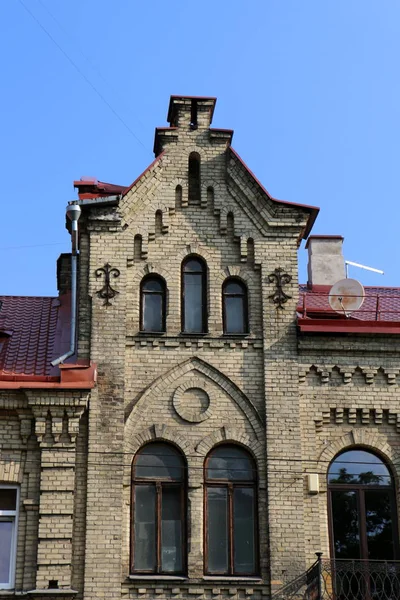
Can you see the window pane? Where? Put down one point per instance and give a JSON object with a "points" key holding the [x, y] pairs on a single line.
{"points": [[171, 530], [193, 266], [153, 285], [234, 314], [380, 534], [6, 532], [145, 528], [230, 462], [346, 536], [359, 467], [217, 529], [152, 312], [234, 287], [243, 530], [8, 499], [193, 302], [159, 461]]}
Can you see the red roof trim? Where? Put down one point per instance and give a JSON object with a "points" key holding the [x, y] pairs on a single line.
{"points": [[347, 326], [313, 210], [158, 158]]}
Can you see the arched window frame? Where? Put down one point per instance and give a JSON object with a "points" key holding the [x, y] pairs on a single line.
{"points": [[204, 283], [162, 293], [360, 489], [159, 483], [245, 305], [230, 485]]}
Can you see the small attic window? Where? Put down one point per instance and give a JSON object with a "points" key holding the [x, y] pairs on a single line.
{"points": [[193, 115], [194, 177]]}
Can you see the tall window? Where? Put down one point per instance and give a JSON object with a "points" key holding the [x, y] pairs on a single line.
{"points": [[362, 507], [194, 177], [230, 512], [158, 510], [152, 304], [8, 534], [234, 306], [194, 295]]}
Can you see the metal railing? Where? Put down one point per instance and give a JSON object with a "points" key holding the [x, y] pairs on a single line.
{"points": [[333, 579], [375, 307]]}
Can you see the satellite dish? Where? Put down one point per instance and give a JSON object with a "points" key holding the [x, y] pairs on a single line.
{"points": [[346, 296]]}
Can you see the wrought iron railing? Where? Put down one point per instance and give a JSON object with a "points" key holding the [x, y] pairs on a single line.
{"points": [[332, 579]]}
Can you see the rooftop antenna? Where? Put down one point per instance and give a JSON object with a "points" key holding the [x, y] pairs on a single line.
{"points": [[354, 264], [346, 296]]}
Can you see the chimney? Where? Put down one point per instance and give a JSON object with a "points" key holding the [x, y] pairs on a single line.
{"points": [[325, 259], [64, 274], [192, 112]]}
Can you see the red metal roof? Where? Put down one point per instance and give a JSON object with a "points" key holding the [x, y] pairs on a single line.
{"points": [[90, 187], [35, 330], [379, 313]]}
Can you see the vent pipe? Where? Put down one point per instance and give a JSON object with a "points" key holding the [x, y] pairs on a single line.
{"points": [[73, 213]]}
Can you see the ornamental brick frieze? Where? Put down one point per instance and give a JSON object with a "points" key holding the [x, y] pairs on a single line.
{"points": [[335, 375], [340, 415], [144, 590], [206, 343]]}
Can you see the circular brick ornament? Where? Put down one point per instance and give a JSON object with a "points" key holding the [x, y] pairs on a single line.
{"points": [[192, 401]]}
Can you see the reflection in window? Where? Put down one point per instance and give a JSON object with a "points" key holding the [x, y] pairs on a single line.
{"points": [[152, 296], [194, 296], [8, 535], [363, 523], [158, 531], [234, 306], [230, 512]]}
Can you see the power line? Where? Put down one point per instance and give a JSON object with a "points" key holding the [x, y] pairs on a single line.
{"points": [[73, 63]]}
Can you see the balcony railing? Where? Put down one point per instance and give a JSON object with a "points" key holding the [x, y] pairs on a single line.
{"points": [[335, 579]]}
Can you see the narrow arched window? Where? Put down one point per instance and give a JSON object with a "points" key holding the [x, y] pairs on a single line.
{"points": [[194, 177], [363, 514], [158, 538], [230, 512], [152, 304], [234, 306], [194, 295]]}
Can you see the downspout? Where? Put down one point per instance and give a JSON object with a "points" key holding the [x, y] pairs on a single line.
{"points": [[73, 213]]}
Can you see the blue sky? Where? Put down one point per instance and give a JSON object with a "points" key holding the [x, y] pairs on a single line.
{"points": [[311, 88]]}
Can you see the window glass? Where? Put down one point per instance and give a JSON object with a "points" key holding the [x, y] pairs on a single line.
{"points": [[379, 524], [345, 524], [153, 305], [359, 467], [230, 462], [171, 530], [153, 285], [243, 527], [194, 296], [145, 527], [234, 297], [217, 529], [6, 535], [158, 461], [8, 499]]}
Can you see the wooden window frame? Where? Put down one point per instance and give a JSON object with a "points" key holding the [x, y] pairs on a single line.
{"points": [[11, 515], [163, 295], [159, 483], [360, 490], [204, 295], [244, 295], [230, 485]]}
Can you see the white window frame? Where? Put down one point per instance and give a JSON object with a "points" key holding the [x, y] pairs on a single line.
{"points": [[11, 515]]}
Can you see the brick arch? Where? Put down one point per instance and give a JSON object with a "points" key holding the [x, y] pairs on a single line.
{"points": [[210, 373], [151, 269], [194, 248], [362, 438], [232, 435]]}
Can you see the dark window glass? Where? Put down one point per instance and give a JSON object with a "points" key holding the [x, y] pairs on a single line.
{"points": [[158, 533], [6, 536], [8, 499], [194, 177], [234, 299], [230, 512], [153, 305], [194, 296], [363, 520]]}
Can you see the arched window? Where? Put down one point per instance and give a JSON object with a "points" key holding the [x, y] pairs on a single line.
{"points": [[194, 177], [152, 304], [234, 306], [158, 510], [362, 507], [194, 295], [230, 512]]}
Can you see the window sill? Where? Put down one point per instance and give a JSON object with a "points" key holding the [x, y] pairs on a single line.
{"points": [[236, 335], [193, 335], [158, 577], [152, 333], [249, 578]]}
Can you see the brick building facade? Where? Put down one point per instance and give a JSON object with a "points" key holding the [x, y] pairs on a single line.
{"points": [[183, 450]]}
